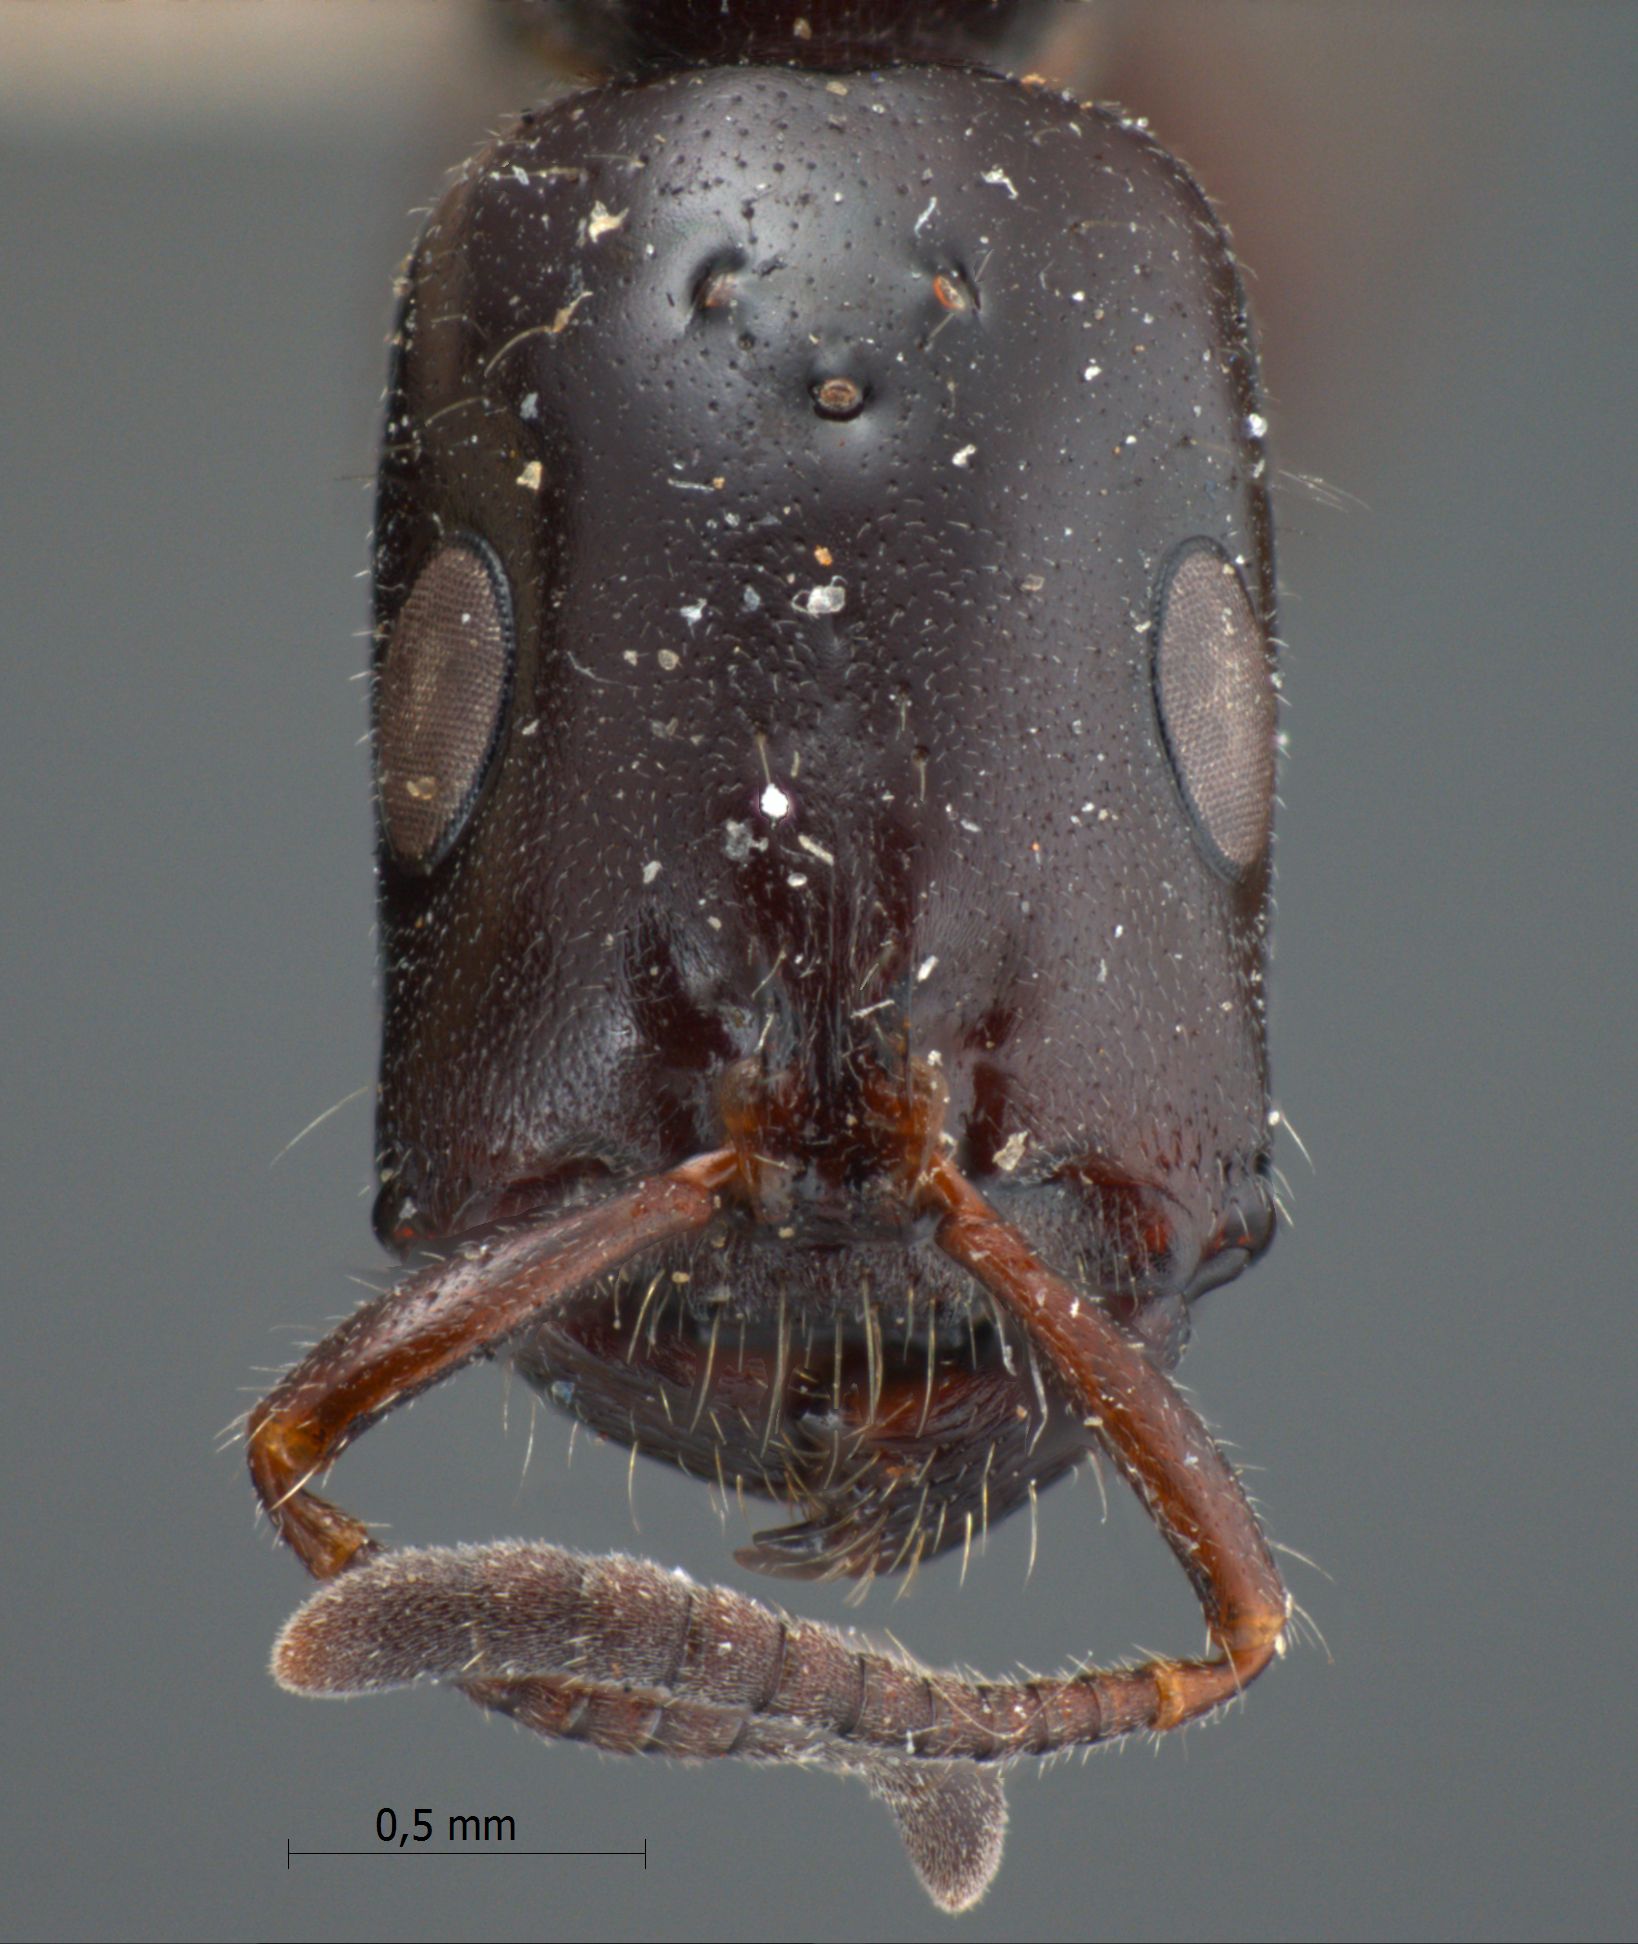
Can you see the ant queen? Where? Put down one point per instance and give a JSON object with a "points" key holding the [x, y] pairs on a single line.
{"points": [[824, 731]]}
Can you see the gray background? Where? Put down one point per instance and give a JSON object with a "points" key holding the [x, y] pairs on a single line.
{"points": [[1433, 1370]]}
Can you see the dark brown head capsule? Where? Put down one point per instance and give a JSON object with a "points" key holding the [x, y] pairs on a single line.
{"points": [[825, 725]]}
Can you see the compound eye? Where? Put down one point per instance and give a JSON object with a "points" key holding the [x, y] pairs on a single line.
{"points": [[1214, 690], [439, 699]]}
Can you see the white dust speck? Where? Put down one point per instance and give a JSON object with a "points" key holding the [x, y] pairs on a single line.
{"points": [[796, 880], [999, 177], [1011, 1151], [751, 599], [774, 803], [964, 456], [1256, 426], [530, 407], [693, 615], [829, 599], [926, 969], [1092, 371], [602, 220], [815, 849], [651, 870], [668, 658], [925, 216], [531, 476]]}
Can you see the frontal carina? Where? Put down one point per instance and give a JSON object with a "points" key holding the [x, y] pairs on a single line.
{"points": [[824, 734]]}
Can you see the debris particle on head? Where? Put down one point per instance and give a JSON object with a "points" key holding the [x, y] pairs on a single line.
{"points": [[830, 599], [738, 842]]}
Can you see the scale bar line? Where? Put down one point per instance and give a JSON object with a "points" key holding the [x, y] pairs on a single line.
{"points": [[641, 1854]]}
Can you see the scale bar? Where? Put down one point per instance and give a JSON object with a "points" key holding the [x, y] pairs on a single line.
{"points": [[386, 1850]]}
